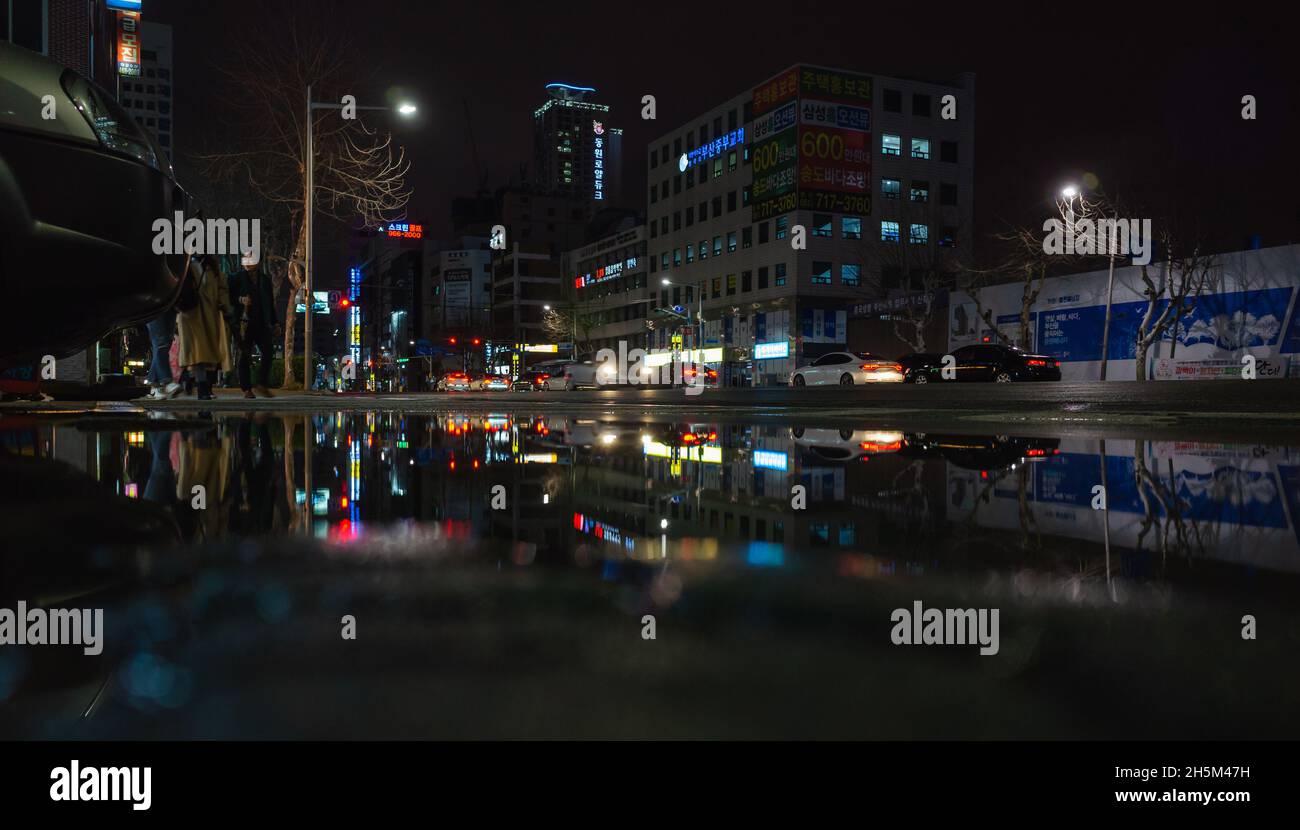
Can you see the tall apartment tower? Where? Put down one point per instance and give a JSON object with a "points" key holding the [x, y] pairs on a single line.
{"points": [[148, 96], [577, 153]]}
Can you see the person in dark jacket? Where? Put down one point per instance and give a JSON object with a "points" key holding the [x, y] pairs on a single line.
{"points": [[256, 325]]}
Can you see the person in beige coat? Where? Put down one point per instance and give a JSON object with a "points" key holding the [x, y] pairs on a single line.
{"points": [[204, 336]]}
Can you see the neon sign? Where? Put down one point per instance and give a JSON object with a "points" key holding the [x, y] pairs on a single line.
{"points": [[767, 351], [599, 130], [716, 147], [128, 43], [402, 230]]}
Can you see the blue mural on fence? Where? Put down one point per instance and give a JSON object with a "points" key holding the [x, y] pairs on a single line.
{"points": [[1231, 321]]}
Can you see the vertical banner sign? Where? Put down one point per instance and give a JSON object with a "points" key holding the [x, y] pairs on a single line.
{"points": [[834, 141], [128, 43], [598, 130]]}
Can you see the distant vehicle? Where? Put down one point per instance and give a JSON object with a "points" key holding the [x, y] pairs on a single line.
{"points": [[584, 374], [455, 382], [79, 194], [996, 363], [495, 383], [534, 378], [846, 444], [847, 369]]}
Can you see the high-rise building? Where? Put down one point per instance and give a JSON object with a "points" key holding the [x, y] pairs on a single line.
{"points": [[779, 209], [80, 34], [148, 96], [577, 152]]}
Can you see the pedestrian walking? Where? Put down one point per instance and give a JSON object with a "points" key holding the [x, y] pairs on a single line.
{"points": [[162, 330], [205, 346], [257, 325]]}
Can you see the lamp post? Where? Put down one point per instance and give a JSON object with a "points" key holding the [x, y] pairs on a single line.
{"points": [[1069, 193], [308, 364]]}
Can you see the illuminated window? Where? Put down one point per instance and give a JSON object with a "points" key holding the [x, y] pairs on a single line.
{"points": [[821, 274], [717, 246], [731, 284], [920, 191], [782, 226], [677, 257], [717, 286], [690, 254], [851, 227], [822, 225], [731, 161], [889, 188], [717, 167], [891, 145], [704, 249], [888, 231], [920, 148], [851, 275], [920, 234], [731, 242], [780, 274]]}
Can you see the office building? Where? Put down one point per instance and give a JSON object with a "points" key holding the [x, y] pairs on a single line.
{"points": [[577, 153], [873, 174], [148, 96]]}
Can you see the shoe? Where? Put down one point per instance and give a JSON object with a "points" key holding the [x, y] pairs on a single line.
{"points": [[156, 394], [248, 393], [264, 392], [171, 390]]}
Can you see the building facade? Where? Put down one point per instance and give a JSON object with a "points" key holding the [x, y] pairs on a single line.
{"points": [[775, 212], [607, 293], [148, 96], [577, 153]]}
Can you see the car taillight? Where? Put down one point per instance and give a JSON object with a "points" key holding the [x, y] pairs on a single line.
{"points": [[1043, 362], [544, 376]]}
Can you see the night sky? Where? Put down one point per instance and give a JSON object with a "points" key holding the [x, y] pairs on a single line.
{"points": [[1148, 103]]}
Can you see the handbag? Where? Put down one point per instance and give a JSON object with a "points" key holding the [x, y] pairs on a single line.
{"points": [[188, 298]]}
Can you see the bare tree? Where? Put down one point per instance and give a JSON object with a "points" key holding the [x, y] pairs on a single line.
{"points": [[1028, 263], [1170, 296], [569, 323], [360, 174]]}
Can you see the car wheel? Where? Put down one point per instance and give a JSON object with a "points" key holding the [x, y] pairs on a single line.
{"points": [[846, 379], [568, 385], [797, 432], [1002, 377], [920, 377], [846, 434], [798, 380]]}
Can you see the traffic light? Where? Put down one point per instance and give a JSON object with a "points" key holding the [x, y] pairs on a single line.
{"points": [[453, 341], [477, 341]]}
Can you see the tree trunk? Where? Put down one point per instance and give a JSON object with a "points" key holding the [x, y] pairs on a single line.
{"points": [[1140, 363], [291, 311]]}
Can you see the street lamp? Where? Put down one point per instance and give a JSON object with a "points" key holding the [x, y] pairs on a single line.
{"points": [[1069, 193], [308, 367]]}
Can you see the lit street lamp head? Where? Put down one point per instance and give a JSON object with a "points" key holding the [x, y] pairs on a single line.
{"points": [[1069, 191], [406, 109]]}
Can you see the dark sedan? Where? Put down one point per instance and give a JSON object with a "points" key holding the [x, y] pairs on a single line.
{"points": [[983, 362], [81, 185]]}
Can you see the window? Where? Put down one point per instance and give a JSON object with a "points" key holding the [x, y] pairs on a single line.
{"points": [[762, 234], [948, 237], [677, 184], [664, 153], [731, 242], [889, 188], [920, 148], [891, 145], [947, 194], [822, 225], [851, 275], [762, 278], [652, 265], [731, 284], [731, 161], [690, 178], [654, 229], [654, 194], [731, 202], [780, 274], [920, 234], [663, 260], [677, 257], [717, 206], [744, 195], [690, 254], [921, 105], [821, 273], [920, 191], [746, 281], [717, 167], [663, 225], [782, 226], [948, 151], [717, 286], [663, 189], [888, 231], [893, 100], [690, 216], [654, 158], [704, 249], [731, 120], [704, 211], [677, 148], [747, 236], [717, 246], [677, 220], [717, 127], [851, 227]]}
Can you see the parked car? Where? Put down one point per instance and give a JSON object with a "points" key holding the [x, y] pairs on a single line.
{"points": [[534, 378], [79, 194], [1003, 364], [846, 444], [495, 383], [921, 367], [586, 374], [847, 369], [980, 452]]}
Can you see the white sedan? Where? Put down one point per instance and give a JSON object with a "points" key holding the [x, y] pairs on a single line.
{"points": [[847, 369]]}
